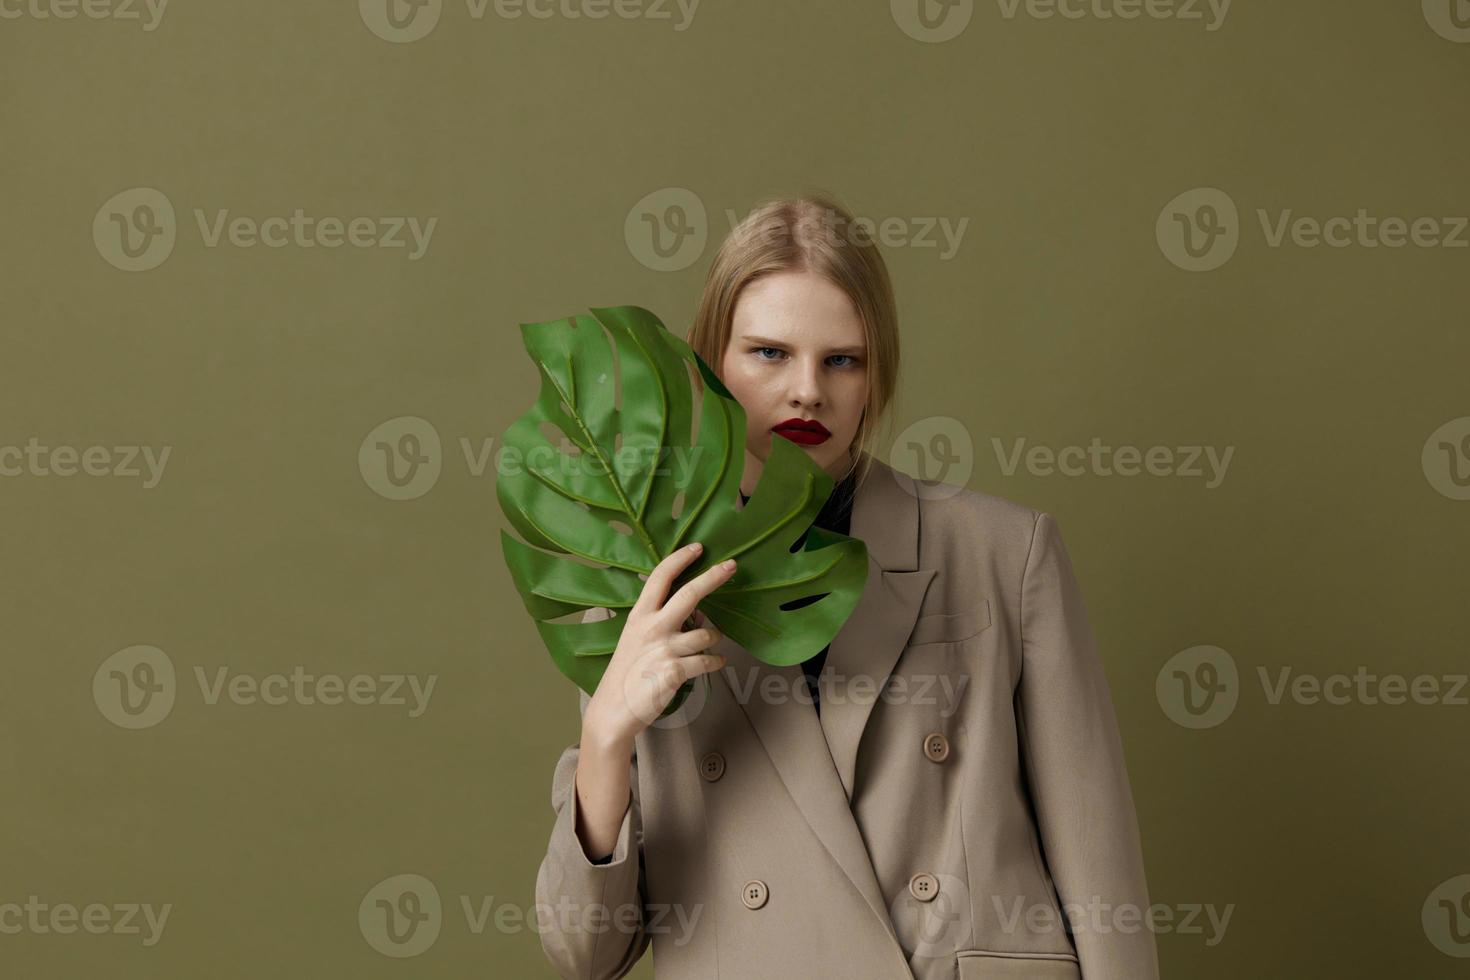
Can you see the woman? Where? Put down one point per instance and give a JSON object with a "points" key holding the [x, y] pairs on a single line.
{"points": [[951, 801]]}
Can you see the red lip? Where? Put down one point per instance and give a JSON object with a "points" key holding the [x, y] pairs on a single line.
{"points": [[805, 432]]}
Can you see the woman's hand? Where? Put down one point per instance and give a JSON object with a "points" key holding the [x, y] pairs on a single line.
{"points": [[654, 655]]}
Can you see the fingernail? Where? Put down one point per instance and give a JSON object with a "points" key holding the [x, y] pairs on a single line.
{"points": [[695, 546], [728, 564]]}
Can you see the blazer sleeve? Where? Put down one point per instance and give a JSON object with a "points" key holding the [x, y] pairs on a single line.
{"points": [[592, 913], [1076, 771]]}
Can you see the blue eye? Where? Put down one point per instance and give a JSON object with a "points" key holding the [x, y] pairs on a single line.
{"points": [[836, 360]]}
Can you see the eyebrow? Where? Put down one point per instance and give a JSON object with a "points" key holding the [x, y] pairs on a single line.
{"points": [[768, 342]]}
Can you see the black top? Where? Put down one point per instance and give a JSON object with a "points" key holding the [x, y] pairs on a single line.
{"points": [[835, 515]]}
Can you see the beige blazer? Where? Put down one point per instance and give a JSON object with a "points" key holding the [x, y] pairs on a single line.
{"points": [[959, 811]]}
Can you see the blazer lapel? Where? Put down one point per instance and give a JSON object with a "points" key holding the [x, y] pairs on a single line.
{"points": [[817, 758], [868, 646]]}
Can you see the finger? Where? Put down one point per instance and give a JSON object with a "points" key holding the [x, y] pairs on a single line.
{"points": [[656, 589], [691, 667], [683, 602], [695, 641]]}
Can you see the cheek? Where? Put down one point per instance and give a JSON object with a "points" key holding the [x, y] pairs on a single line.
{"points": [[743, 384], [854, 400]]}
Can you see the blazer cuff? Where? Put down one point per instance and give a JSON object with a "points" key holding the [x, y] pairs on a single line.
{"points": [[621, 848]]}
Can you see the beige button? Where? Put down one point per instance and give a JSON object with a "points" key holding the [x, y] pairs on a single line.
{"points": [[754, 895], [712, 766], [924, 887], [936, 746]]}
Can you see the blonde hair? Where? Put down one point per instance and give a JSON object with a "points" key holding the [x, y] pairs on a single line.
{"points": [[809, 233]]}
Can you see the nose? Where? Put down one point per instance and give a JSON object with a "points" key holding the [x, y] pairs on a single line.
{"points": [[806, 385]]}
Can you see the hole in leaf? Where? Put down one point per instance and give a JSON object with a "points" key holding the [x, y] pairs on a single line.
{"points": [[623, 529], [801, 541], [678, 507], [554, 436], [805, 600]]}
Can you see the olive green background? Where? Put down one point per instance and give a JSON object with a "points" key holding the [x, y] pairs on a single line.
{"points": [[265, 547]]}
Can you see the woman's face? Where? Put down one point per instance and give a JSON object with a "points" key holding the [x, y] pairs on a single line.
{"points": [[797, 351]]}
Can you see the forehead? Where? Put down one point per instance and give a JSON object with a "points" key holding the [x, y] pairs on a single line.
{"points": [[800, 308]]}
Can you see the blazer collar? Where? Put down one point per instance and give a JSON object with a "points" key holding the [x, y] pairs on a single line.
{"points": [[817, 758]]}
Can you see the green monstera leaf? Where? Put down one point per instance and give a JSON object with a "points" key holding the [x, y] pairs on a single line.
{"points": [[634, 449]]}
